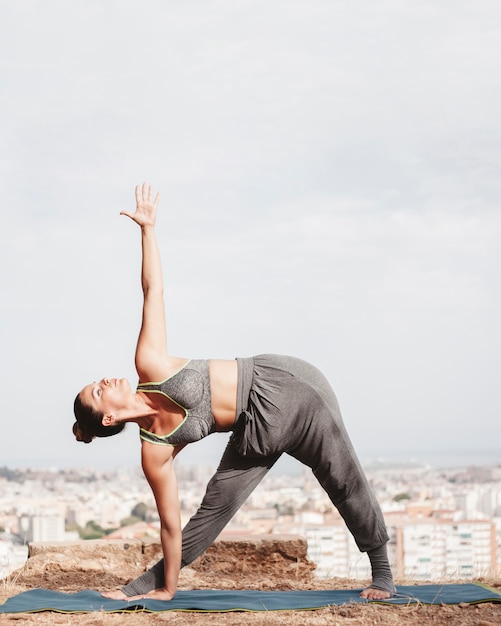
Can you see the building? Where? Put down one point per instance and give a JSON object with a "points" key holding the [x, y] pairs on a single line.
{"points": [[44, 527], [446, 550], [420, 548]]}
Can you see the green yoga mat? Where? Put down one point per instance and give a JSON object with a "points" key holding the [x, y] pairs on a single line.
{"points": [[37, 600]]}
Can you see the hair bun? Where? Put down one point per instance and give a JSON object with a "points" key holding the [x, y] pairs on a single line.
{"points": [[80, 435]]}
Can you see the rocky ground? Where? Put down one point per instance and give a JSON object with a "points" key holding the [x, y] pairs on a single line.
{"points": [[242, 565]]}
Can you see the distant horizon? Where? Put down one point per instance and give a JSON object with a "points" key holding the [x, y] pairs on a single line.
{"points": [[437, 459]]}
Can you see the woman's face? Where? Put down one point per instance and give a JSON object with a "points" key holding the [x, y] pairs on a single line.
{"points": [[106, 396]]}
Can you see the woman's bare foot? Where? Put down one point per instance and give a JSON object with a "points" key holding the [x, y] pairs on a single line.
{"points": [[116, 594], [375, 594]]}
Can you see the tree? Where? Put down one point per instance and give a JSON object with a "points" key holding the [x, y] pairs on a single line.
{"points": [[128, 521], [140, 511], [401, 496], [92, 531]]}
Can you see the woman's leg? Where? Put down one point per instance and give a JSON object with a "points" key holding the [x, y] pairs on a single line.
{"points": [[233, 482], [292, 408], [324, 445]]}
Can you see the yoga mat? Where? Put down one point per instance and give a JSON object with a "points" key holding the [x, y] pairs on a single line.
{"points": [[37, 600]]}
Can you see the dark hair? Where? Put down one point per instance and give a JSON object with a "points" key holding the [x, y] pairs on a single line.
{"points": [[89, 423]]}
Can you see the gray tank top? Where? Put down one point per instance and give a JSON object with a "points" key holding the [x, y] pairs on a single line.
{"points": [[189, 388]]}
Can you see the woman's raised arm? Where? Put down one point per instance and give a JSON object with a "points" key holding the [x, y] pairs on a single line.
{"points": [[151, 348]]}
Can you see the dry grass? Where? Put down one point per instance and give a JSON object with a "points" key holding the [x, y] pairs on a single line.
{"points": [[348, 615]]}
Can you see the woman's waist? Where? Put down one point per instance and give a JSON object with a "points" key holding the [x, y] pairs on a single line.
{"points": [[223, 383], [232, 381]]}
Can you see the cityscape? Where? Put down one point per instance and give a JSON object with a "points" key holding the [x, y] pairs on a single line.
{"points": [[444, 524]]}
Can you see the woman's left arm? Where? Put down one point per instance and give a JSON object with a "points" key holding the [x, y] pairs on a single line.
{"points": [[158, 467]]}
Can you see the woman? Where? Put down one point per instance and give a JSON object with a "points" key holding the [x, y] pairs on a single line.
{"points": [[272, 404]]}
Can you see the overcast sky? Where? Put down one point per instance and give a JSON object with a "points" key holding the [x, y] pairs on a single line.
{"points": [[330, 188]]}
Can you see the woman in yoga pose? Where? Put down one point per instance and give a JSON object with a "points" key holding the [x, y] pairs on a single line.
{"points": [[272, 404]]}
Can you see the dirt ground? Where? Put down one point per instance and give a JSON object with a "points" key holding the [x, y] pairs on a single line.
{"points": [[206, 576]]}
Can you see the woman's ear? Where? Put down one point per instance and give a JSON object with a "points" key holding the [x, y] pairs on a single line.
{"points": [[109, 419]]}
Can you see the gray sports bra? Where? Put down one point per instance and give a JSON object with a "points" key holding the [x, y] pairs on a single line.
{"points": [[189, 388]]}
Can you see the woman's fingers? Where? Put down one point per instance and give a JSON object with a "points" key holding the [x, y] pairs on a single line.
{"points": [[145, 205], [147, 192], [144, 193]]}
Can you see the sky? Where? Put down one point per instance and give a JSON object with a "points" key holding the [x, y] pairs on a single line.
{"points": [[330, 189]]}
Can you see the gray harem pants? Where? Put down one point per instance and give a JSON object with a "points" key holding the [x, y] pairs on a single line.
{"points": [[286, 405]]}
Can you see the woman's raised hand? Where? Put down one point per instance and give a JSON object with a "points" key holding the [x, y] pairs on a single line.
{"points": [[146, 206]]}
